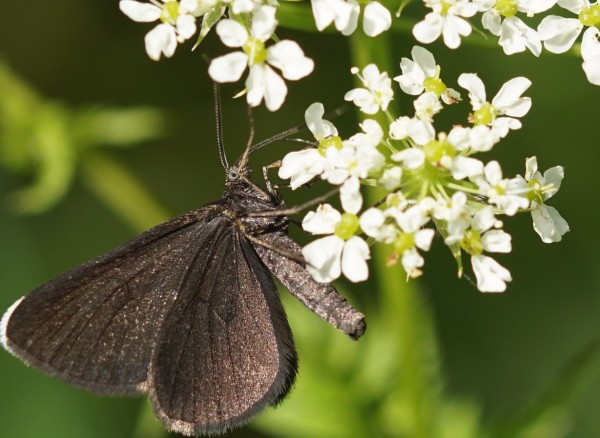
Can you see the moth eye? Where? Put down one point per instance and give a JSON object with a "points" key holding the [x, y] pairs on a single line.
{"points": [[233, 175]]}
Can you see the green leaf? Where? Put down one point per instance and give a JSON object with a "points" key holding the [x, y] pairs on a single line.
{"points": [[208, 21]]}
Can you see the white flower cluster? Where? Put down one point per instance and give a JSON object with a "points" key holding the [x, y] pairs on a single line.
{"points": [[449, 19], [249, 27], [431, 179]]}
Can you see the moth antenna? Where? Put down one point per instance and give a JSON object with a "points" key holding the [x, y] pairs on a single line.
{"points": [[296, 130], [277, 137], [244, 158], [219, 122]]}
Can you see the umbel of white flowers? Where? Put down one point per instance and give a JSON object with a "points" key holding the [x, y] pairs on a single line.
{"points": [[432, 179], [250, 26]]}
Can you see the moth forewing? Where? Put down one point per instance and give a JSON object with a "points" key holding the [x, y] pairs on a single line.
{"points": [[186, 312]]}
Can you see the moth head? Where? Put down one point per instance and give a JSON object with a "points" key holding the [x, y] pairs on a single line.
{"points": [[236, 174]]}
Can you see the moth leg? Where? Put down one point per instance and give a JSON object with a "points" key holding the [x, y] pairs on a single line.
{"points": [[293, 220], [296, 209], [321, 298], [298, 258], [271, 188]]}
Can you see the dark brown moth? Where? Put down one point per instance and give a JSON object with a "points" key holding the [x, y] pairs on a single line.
{"points": [[187, 312]]}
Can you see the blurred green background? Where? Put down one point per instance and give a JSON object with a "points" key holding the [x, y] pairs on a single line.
{"points": [[128, 142]]}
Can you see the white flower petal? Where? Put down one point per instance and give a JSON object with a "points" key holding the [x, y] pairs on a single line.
{"points": [[287, 56], [483, 220], [412, 158], [411, 80], [242, 6], [328, 11], [502, 125], [429, 30], [275, 90], [232, 33], [161, 40], [425, 60], [362, 99], [531, 168], [491, 276], [412, 219], [421, 131], [322, 11], [376, 19], [264, 23], [323, 257], [496, 241], [411, 262], [492, 21], [509, 101], [554, 176], [517, 36], [558, 33], [590, 52], [354, 257], [466, 167], [475, 87], [574, 6], [423, 238], [463, 8], [347, 25], [371, 220], [426, 106], [350, 195], [549, 224], [591, 67], [531, 7], [391, 178], [454, 28], [228, 68], [186, 26], [323, 221], [188, 6], [301, 167], [590, 43], [140, 12], [263, 82], [319, 127], [493, 172]]}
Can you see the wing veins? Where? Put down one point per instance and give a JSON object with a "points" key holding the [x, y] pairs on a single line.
{"points": [[182, 282], [78, 334], [83, 297]]}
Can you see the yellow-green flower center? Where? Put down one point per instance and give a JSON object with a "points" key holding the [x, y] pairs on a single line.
{"points": [[484, 115], [435, 150], [435, 85], [445, 8], [471, 242], [255, 49], [347, 227], [536, 193], [325, 144], [394, 200], [507, 8], [170, 12], [403, 242], [590, 16]]}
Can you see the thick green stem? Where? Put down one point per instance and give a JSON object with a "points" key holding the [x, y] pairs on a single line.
{"points": [[401, 304]]}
